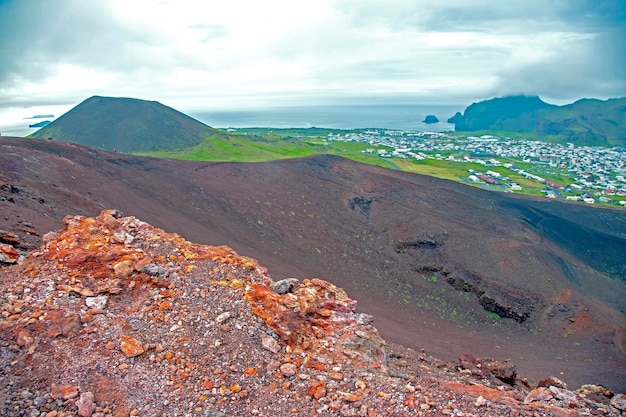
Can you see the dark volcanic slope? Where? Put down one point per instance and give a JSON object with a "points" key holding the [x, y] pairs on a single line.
{"points": [[442, 266], [127, 125]]}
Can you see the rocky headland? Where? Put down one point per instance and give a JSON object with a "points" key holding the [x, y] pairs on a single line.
{"points": [[585, 122]]}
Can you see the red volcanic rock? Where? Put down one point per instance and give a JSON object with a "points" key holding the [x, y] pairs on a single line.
{"points": [[504, 371], [619, 402], [113, 317], [552, 381], [318, 316], [8, 254], [288, 369], [9, 238], [538, 394], [317, 390], [86, 405], [131, 347], [24, 338], [64, 392]]}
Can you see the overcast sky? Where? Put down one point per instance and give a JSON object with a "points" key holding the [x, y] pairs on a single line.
{"points": [[196, 55]]}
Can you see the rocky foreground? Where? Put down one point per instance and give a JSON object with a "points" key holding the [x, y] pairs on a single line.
{"points": [[113, 317]]}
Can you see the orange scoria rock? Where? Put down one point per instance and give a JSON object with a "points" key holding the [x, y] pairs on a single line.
{"points": [[114, 317], [130, 346], [8, 254], [318, 316]]}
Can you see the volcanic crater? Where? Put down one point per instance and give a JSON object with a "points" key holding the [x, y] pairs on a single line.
{"points": [[441, 266]]}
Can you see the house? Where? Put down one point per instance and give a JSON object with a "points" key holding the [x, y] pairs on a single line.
{"points": [[554, 184], [487, 179]]}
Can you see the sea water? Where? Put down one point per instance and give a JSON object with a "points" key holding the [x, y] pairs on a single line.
{"points": [[14, 121], [396, 117]]}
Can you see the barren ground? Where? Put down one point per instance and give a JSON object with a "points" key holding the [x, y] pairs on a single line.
{"points": [[429, 259]]}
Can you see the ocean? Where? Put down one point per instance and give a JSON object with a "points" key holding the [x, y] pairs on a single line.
{"points": [[14, 121], [396, 117]]}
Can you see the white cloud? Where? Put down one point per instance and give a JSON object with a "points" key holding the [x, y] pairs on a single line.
{"points": [[204, 54]]}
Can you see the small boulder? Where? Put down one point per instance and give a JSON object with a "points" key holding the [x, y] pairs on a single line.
{"points": [[24, 338], [317, 390], [154, 270], [269, 343], [86, 405], [98, 303], [504, 371], [9, 238], [596, 393], [131, 347], [8, 254], [288, 369], [619, 402], [124, 268], [538, 394], [223, 318], [552, 381], [64, 392], [284, 286]]}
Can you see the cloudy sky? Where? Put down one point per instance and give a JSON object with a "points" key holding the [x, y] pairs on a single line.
{"points": [[196, 55]]}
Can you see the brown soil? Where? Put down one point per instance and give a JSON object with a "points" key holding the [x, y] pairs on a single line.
{"points": [[430, 259]]}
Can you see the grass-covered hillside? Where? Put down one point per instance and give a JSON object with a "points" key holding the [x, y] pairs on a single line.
{"points": [[240, 147], [268, 144], [587, 121]]}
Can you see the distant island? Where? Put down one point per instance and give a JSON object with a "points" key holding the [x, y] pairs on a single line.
{"points": [[40, 116], [430, 119], [41, 124], [585, 122]]}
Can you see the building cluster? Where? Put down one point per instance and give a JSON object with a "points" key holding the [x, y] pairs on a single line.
{"points": [[595, 174]]}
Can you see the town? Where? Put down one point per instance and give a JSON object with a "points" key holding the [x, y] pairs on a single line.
{"points": [[593, 175]]}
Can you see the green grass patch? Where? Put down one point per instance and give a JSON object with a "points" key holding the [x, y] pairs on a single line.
{"points": [[240, 148], [450, 170]]}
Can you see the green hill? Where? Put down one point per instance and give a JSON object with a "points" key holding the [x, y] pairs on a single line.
{"points": [[128, 125], [585, 122], [513, 114]]}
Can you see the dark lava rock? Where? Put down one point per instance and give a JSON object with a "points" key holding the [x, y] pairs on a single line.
{"points": [[364, 205], [504, 371], [431, 119], [502, 300], [155, 271]]}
